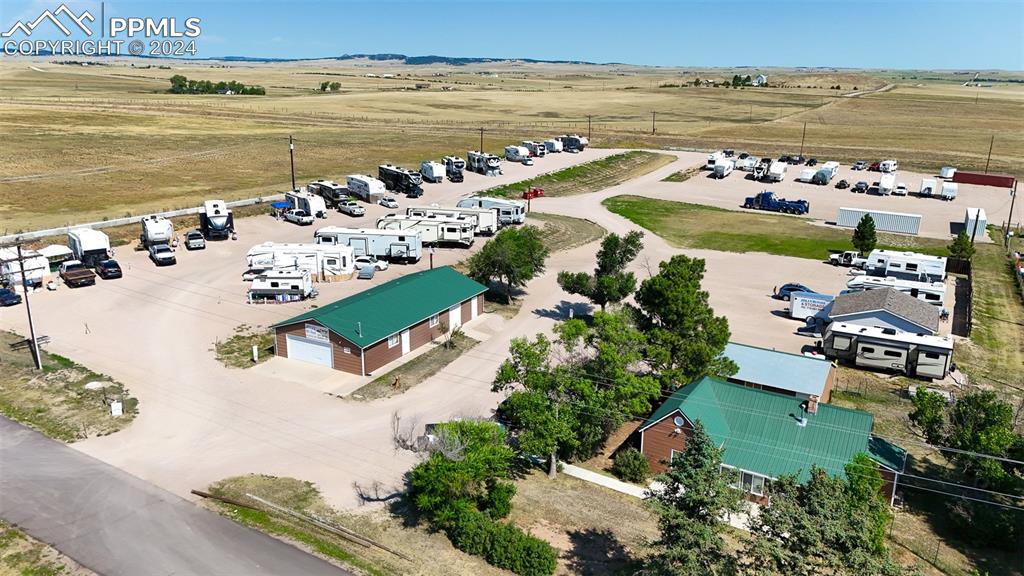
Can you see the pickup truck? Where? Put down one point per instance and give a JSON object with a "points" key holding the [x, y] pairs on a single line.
{"points": [[75, 274], [162, 255], [351, 208], [848, 258]]}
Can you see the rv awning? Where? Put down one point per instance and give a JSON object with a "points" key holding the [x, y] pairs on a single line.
{"points": [[55, 251]]}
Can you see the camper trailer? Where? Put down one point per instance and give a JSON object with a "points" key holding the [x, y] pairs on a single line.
{"points": [[554, 146], [933, 293], [365, 187], [433, 230], [516, 153], [949, 190], [484, 163], [156, 230], [947, 172], [723, 168], [311, 204], [573, 142], [713, 159], [88, 246], [747, 164], [906, 265], [391, 245], [536, 149], [36, 267], [216, 221], [826, 173], [324, 262], [928, 187], [432, 172], [807, 175], [886, 183], [485, 220], [329, 190], [916, 355], [398, 179], [454, 167], [888, 166], [776, 171], [281, 286], [509, 211], [760, 170]]}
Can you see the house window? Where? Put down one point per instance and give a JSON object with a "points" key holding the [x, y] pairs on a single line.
{"points": [[757, 486], [346, 350], [393, 340], [435, 320]]}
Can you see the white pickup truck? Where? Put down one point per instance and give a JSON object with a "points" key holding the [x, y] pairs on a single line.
{"points": [[848, 258], [162, 255], [351, 208]]}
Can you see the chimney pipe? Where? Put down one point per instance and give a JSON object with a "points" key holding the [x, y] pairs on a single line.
{"points": [[812, 404]]}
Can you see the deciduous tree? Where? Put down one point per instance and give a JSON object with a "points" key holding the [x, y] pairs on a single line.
{"points": [[929, 414], [610, 282], [513, 257]]}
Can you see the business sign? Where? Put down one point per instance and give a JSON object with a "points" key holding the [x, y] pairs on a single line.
{"points": [[316, 332]]}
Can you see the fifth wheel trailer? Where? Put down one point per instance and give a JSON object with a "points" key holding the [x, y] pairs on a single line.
{"points": [[88, 246], [392, 245], [486, 220], [216, 221], [484, 163], [509, 211], [323, 262], [454, 167], [399, 179], [887, 349], [433, 230], [884, 221], [156, 230]]}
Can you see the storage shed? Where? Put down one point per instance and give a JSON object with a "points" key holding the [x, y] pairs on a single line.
{"points": [[975, 219], [363, 332], [897, 222], [782, 372], [886, 308]]}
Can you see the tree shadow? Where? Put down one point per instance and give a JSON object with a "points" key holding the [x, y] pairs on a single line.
{"points": [[561, 310], [597, 552]]}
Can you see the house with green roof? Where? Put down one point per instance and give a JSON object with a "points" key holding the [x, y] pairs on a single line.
{"points": [[368, 330], [766, 434]]}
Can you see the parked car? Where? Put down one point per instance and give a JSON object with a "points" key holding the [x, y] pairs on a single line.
{"points": [[799, 159], [298, 216], [875, 167], [9, 297], [743, 156], [729, 152], [527, 161], [900, 189], [351, 208], [812, 162], [860, 187], [195, 240], [162, 255], [372, 261], [786, 290], [860, 165], [388, 202], [842, 184], [108, 269]]}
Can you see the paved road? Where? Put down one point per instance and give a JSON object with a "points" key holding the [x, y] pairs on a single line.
{"points": [[114, 523]]}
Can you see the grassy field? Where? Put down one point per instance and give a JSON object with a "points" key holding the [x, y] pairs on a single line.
{"points": [[589, 177], [65, 401], [403, 378], [22, 555], [236, 351], [696, 226], [566, 232]]}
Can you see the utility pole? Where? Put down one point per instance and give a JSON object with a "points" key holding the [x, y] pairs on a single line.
{"points": [[1009, 222], [802, 137], [481, 139], [34, 344], [291, 155], [588, 126], [990, 144], [653, 116]]}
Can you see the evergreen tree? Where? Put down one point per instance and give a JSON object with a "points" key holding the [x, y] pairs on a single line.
{"points": [[864, 236], [961, 247]]}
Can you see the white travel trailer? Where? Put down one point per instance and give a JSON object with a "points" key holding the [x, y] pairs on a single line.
{"points": [[933, 293], [888, 166], [807, 175], [919, 355], [484, 163], [832, 166], [365, 187], [36, 267], [713, 160], [516, 153], [949, 190], [432, 229], [553, 145], [509, 211], [281, 286], [329, 190], [392, 245], [535, 148], [777, 171], [89, 246], [313, 204], [747, 164], [947, 172], [216, 221], [324, 262], [432, 172], [928, 187], [156, 230], [485, 220], [906, 265], [724, 167], [886, 183]]}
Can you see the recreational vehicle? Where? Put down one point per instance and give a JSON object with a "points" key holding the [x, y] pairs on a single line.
{"points": [[516, 153], [311, 204], [713, 159], [573, 142], [484, 163], [931, 292], [432, 172], [947, 172], [747, 164], [723, 168], [216, 221], [509, 211], [888, 166], [485, 220], [949, 190], [433, 230], [887, 349], [392, 245], [776, 171], [906, 265], [807, 175], [454, 167], [324, 262], [365, 187], [156, 230], [760, 170], [553, 146], [886, 183], [281, 286], [400, 180], [808, 306], [88, 246], [535, 148], [36, 267], [329, 190], [928, 187]]}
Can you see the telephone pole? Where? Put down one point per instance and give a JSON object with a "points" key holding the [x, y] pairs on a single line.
{"points": [[802, 137], [1009, 222], [33, 344], [654, 115], [481, 139], [588, 126], [990, 144], [291, 155]]}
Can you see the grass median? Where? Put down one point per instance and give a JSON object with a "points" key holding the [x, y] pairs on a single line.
{"points": [[589, 177]]}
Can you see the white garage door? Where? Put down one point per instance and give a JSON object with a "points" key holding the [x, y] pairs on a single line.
{"points": [[311, 351]]}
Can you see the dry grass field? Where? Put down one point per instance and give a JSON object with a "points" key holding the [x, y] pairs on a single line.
{"points": [[88, 142]]}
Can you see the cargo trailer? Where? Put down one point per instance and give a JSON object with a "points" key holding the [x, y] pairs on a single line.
{"points": [[809, 306], [928, 187], [949, 190], [884, 221], [391, 245]]}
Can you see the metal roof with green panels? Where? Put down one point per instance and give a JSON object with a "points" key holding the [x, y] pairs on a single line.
{"points": [[760, 433], [372, 315]]}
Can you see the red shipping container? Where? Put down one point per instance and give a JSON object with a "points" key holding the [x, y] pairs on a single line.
{"points": [[997, 180]]}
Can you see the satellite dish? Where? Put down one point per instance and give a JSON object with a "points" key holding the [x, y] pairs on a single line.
{"points": [[678, 420]]}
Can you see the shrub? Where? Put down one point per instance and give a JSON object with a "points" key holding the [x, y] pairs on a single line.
{"points": [[498, 501], [631, 465], [502, 545]]}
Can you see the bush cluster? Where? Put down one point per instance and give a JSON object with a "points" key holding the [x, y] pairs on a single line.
{"points": [[502, 545], [631, 465]]}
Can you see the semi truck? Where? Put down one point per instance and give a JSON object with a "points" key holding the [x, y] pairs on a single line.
{"points": [[454, 167], [509, 211], [486, 220], [392, 245], [216, 221], [156, 230], [767, 201], [433, 172], [484, 163], [400, 180], [433, 230], [88, 246], [329, 190]]}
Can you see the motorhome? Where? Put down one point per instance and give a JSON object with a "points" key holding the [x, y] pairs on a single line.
{"points": [[536, 148], [906, 265], [329, 190], [573, 142], [216, 221], [484, 163], [723, 168], [553, 145], [433, 229], [324, 262], [391, 245], [36, 267], [432, 172], [713, 159], [928, 187], [777, 171], [516, 153], [88, 246], [933, 293], [888, 166], [509, 211], [281, 286], [365, 187], [949, 190], [486, 221], [398, 179], [916, 355], [454, 168], [156, 230], [312, 204]]}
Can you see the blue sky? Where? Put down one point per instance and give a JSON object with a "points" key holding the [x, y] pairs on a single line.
{"points": [[898, 34]]}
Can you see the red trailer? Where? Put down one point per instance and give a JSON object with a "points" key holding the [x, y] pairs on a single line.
{"points": [[997, 180]]}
